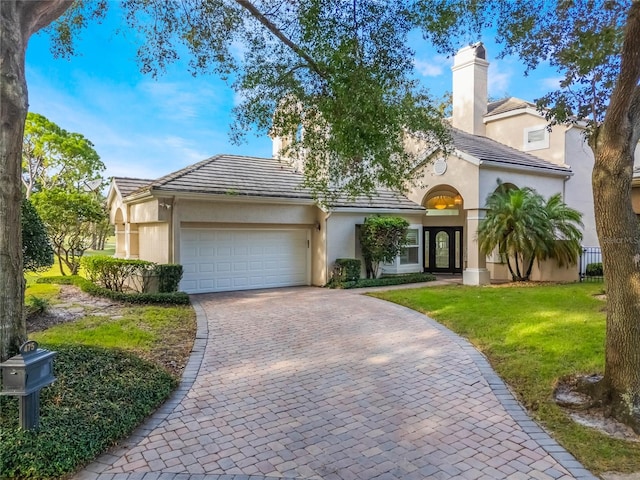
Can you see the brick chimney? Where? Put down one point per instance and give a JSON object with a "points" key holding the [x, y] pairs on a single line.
{"points": [[470, 89]]}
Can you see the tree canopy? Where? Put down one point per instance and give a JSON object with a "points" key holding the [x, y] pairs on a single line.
{"points": [[333, 79], [70, 218], [53, 157]]}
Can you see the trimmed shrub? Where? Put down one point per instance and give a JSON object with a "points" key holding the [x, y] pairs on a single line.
{"points": [[114, 273], [595, 270], [169, 276], [347, 269], [382, 239], [174, 298]]}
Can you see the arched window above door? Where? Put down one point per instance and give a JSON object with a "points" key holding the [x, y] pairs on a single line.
{"points": [[443, 201]]}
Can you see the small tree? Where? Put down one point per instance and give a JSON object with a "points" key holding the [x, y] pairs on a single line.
{"points": [[36, 248], [523, 227], [382, 240], [70, 218]]}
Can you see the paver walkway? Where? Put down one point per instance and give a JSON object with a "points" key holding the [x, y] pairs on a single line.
{"points": [[309, 383]]}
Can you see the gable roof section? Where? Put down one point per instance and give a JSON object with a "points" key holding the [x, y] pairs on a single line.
{"points": [[126, 186], [490, 151], [241, 176], [507, 105]]}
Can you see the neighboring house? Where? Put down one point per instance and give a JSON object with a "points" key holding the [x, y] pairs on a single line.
{"points": [[242, 222]]}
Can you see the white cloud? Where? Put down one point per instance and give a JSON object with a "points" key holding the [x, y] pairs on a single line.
{"points": [[551, 83], [433, 67], [499, 79]]}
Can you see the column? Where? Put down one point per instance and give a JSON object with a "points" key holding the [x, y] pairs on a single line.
{"points": [[476, 272]]}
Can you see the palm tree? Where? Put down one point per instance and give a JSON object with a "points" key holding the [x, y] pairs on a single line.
{"points": [[523, 227]]}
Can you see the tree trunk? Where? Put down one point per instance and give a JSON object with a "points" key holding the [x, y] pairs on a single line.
{"points": [[613, 145], [18, 21], [618, 233], [13, 111]]}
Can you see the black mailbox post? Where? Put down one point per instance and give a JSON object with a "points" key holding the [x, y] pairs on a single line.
{"points": [[24, 375]]}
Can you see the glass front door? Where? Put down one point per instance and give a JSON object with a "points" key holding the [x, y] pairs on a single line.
{"points": [[443, 249]]}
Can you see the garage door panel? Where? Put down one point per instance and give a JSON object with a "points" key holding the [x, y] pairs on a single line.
{"points": [[222, 260]]}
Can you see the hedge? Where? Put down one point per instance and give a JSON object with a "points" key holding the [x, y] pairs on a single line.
{"points": [[173, 298], [385, 281], [595, 270]]}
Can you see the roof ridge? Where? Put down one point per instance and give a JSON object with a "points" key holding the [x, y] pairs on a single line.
{"points": [[183, 171], [132, 178]]}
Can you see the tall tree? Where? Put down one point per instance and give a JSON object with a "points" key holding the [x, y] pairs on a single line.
{"points": [[595, 45], [18, 21], [53, 157]]}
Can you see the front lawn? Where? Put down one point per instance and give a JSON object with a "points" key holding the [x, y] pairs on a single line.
{"points": [[533, 335]]}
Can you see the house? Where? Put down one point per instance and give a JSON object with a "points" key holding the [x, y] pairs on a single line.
{"points": [[245, 223]]}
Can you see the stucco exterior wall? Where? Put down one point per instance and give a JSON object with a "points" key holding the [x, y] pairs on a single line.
{"points": [[547, 271], [144, 212], [635, 199], [255, 212], [579, 191], [510, 130], [342, 241], [153, 241], [460, 174], [544, 185], [319, 274]]}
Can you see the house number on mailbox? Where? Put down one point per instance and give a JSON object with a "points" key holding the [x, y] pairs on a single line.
{"points": [[29, 347]]}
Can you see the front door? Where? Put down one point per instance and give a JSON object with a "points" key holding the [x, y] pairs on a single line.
{"points": [[443, 249]]}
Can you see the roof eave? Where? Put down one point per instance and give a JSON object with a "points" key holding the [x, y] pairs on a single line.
{"points": [[526, 168], [511, 113], [395, 211], [229, 197]]}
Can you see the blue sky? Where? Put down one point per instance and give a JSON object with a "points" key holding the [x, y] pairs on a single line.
{"points": [[146, 127]]}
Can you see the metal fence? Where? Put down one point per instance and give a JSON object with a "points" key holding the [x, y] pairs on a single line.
{"points": [[591, 265]]}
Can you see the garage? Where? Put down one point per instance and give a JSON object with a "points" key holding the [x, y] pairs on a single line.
{"points": [[218, 260]]}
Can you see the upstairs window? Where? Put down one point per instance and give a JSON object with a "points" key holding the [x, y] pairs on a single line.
{"points": [[536, 138]]}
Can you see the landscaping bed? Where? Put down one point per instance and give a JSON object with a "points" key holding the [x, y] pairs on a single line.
{"points": [[116, 363]]}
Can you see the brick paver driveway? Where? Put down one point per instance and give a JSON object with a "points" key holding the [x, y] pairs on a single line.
{"points": [[309, 383]]}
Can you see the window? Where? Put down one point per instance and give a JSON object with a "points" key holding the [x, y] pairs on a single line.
{"points": [[536, 138], [410, 254]]}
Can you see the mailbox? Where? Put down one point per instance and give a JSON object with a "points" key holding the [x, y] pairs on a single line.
{"points": [[27, 372]]}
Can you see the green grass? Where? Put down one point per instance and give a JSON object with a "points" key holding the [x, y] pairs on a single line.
{"points": [[140, 329], [533, 336]]}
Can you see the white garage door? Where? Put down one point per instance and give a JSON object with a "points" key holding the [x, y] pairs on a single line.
{"points": [[217, 260]]}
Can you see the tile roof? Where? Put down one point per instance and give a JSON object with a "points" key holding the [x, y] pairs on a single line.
{"points": [[126, 186], [257, 177], [488, 150], [507, 105]]}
